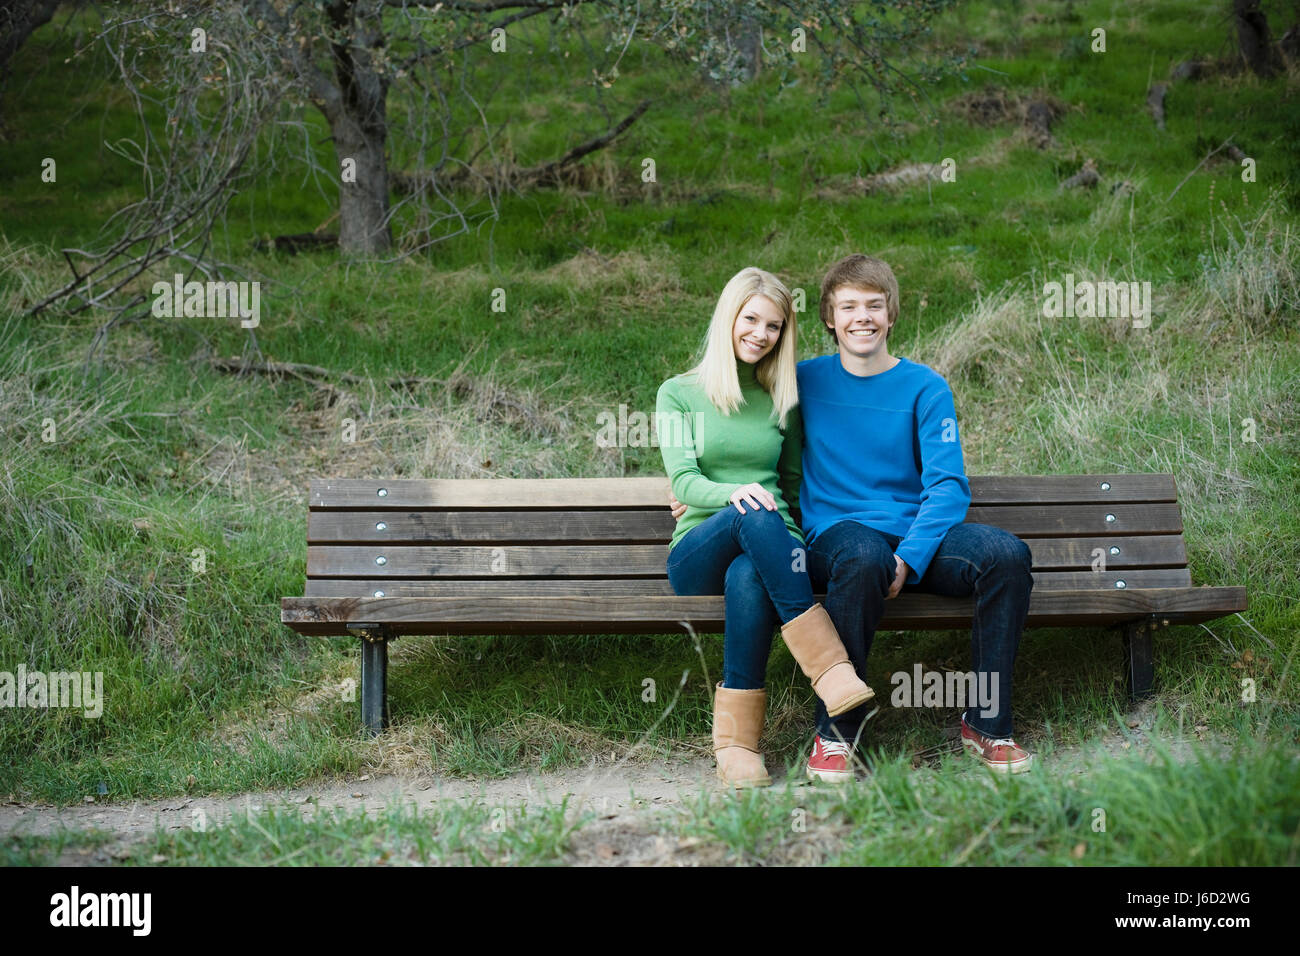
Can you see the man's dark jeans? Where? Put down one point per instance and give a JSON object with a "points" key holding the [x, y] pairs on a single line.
{"points": [[854, 565]]}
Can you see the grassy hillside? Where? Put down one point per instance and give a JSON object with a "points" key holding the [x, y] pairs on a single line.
{"points": [[609, 286]]}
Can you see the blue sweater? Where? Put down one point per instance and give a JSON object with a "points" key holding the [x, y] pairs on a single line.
{"points": [[882, 450]]}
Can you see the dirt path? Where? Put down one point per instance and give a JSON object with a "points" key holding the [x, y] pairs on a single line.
{"points": [[625, 798], [630, 787], [616, 796]]}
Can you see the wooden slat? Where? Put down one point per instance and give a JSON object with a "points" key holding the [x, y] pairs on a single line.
{"points": [[659, 587], [1105, 580], [617, 615], [1070, 489], [489, 493], [651, 527], [480, 587], [456, 561], [1063, 554], [650, 560], [498, 527], [1050, 521], [652, 492]]}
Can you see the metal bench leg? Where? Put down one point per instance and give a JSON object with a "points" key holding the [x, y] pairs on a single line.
{"points": [[1138, 658], [374, 678]]}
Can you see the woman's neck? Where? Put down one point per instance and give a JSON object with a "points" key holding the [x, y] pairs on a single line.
{"points": [[746, 372]]}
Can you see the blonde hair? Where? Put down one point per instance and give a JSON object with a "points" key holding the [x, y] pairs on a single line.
{"points": [[716, 370]]}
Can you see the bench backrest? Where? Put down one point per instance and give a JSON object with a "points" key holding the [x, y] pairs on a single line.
{"points": [[552, 536]]}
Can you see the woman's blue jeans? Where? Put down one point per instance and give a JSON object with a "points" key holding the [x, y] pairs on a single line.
{"points": [[759, 566]]}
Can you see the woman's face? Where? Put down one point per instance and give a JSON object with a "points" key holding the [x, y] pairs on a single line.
{"points": [[757, 329]]}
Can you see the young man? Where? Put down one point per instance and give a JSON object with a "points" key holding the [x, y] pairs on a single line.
{"points": [[883, 499]]}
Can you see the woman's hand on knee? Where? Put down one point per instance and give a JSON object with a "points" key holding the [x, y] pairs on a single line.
{"points": [[755, 495]]}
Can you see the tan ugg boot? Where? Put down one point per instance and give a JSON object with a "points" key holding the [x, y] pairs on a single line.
{"points": [[816, 645], [737, 724]]}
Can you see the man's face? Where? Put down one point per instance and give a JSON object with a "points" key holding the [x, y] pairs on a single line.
{"points": [[860, 321]]}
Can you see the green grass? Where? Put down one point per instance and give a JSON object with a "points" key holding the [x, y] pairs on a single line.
{"points": [[1194, 810], [450, 834], [25, 849], [156, 455], [1202, 811]]}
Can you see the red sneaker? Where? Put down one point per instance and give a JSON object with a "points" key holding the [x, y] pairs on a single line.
{"points": [[830, 761], [1003, 755]]}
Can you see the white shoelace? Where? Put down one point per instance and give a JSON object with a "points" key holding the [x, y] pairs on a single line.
{"points": [[835, 748], [1000, 742]]}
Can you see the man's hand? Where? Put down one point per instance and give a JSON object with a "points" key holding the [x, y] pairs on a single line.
{"points": [[901, 571], [677, 507]]}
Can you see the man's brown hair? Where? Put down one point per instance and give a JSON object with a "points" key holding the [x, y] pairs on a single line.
{"points": [[859, 272]]}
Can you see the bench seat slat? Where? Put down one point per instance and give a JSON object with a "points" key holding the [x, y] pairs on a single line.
{"points": [[611, 615], [649, 560], [659, 587], [563, 561], [652, 491], [499, 527], [489, 493], [480, 587], [595, 527], [1143, 551], [1047, 521], [652, 527], [1071, 489], [1105, 580]]}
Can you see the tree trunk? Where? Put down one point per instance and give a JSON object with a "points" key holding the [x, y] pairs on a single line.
{"points": [[359, 122], [750, 42], [363, 202], [1253, 39], [18, 21]]}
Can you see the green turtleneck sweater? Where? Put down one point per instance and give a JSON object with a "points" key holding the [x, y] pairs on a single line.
{"points": [[708, 455]]}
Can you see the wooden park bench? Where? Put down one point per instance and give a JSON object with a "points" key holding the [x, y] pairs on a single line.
{"points": [[587, 555]]}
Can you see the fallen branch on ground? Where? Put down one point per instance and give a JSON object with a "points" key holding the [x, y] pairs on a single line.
{"points": [[314, 374], [1226, 143]]}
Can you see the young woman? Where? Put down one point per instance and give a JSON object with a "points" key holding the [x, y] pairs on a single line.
{"points": [[731, 443]]}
